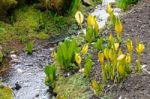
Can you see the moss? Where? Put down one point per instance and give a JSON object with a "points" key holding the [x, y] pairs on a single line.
{"points": [[5, 5], [27, 14], [27, 19], [28, 23], [42, 36], [75, 86], [5, 92]]}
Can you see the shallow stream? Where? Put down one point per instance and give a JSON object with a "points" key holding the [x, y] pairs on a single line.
{"points": [[25, 74]]}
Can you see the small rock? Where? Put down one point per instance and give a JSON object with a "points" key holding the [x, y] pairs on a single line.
{"points": [[66, 74], [12, 52], [15, 61], [37, 95], [19, 70], [87, 2], [13, 56], [144, 66], [117, 11], [120, 97], [81, 70], [17, 86], [105, 2]]}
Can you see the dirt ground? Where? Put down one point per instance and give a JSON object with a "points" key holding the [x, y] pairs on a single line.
{"points": [[136, 24]]}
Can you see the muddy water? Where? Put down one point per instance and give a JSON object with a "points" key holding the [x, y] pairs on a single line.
{"points": [[25, 72]]}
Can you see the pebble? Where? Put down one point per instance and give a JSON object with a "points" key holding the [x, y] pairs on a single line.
{"points": [[81, 70], [19, 70], [87, 2], [15, 61], [13, 56]]}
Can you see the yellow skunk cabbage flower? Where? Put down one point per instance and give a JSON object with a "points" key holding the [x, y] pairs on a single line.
{"points": [[111, 54], [119, 52], [121, 69], [79, 17], [128, 58], [109, 9], [78, 59], [140, 48], [96, 26], [106, 53], [101, 58], [129, 45], [94, 84], [118, 26], [110, 38], [85, 49], [120, 57], [91, 21], [116, 46]]}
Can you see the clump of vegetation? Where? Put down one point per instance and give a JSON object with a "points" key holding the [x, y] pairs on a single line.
{"points": [[50, 71], [92, 29], [29, 48], [75, 5], [140, 48], [100, 44], [5, 92], [123, 4], [66, 53], [76, 86], [88, 66], [98, 87]]}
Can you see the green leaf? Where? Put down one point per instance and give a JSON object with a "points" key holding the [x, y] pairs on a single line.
{"points": [[50, 71], [29, 47], [88, 66]]}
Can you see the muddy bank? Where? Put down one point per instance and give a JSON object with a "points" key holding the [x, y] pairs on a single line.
{"points": [[136, 24]]}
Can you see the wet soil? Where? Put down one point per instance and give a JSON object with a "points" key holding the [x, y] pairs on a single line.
{"points": [[136, 24]]}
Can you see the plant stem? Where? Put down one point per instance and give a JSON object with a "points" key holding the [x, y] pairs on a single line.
{"points": [[138, 67], [119, 38], [81, 28]]}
